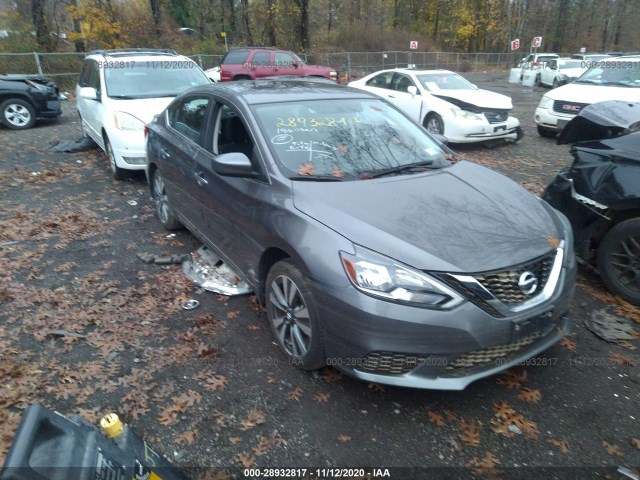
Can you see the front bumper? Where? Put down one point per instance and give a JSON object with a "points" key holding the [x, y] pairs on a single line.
{"points": [[128, 148], [585, 215], [388, 343], [470, 131], [47, 105], [547, 118]]}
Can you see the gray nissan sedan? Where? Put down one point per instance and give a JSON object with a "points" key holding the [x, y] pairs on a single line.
{"points": [[371, 250]]}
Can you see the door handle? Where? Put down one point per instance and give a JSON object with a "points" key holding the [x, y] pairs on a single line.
{"points": [[164, 153], [200, 179]]}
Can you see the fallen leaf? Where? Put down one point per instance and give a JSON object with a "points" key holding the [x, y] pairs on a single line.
{"points": [[306, 169], [188, 438], [568, 344], [488, 461], [245, 460], [330, 375], [437, 419], [215, 383], [626, 344], [529, 395], [636, 442], [612, 449], [271, 380], [470, 438], [344, 438], [562, 443], [234, 314], [376, 387], [235, 440], [321, 397], [336, 172], [295, 394]]}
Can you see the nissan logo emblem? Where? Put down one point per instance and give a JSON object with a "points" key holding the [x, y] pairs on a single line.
{"points": [[528, 283]]}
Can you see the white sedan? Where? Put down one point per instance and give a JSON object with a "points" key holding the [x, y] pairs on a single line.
{"points": [[561, 71], [446, 103]]}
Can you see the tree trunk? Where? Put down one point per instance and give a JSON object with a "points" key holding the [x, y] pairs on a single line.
{"points": [[39, 19], [245, 20], [271, 23], [157, 20], [303, 32]]}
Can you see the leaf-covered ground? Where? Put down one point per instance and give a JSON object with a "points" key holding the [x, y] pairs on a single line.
{"points": [[86, 327]]}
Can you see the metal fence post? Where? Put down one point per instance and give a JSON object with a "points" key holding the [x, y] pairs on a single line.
{"points": [[349, 64], [37, 57], [200, 61]]}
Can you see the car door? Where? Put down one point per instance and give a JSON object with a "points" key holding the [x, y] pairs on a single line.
{"points": [[233, 206], [549, 72], [409, 103], [285, 64], [178, 150], [262, 64], [91, 111]]}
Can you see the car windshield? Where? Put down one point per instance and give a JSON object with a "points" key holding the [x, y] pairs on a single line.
{"points": [[617, 73], [345, 139], [444, 81], [152, 79], [571, 64]]}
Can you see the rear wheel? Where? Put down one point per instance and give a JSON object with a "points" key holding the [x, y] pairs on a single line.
{"points": [[619, 260], [17, 114], [545, 132], [434, 124], [292, 315]]}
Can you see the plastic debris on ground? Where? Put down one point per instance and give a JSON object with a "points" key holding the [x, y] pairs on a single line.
{"points": [[208, 271], [609, 327]]}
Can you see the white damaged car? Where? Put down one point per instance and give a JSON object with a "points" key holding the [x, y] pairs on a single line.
{"points": [[446, 103]]}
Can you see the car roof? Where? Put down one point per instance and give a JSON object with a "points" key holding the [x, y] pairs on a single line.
{"points": [[124, 53], [255, 92], [414, 71]]}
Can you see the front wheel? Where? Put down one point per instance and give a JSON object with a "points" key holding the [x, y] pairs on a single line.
{"points": [[556, 84], [545, 132], [434, 124], [292, 315], [118, 173], [161, 202], [619, 260], [18, 114]]}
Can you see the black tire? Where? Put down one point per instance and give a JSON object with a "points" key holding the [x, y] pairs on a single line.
{"points": [[117, 172], [161, 202], [434, 124], [556, 84], [17, 114], [293, 318], [545, 132], [619, 260], [538, 80]]}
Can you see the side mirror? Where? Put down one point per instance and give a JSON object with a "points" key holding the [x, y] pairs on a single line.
{"points": [[234, 164], [89, 93], [413, 90]]}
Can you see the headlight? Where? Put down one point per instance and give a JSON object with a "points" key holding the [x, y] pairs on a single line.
{"points": [[545, 102], [124, 121], [383, 277], [458, 112], [39, 86]]}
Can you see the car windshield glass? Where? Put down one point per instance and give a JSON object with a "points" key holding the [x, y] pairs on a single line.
{"points": [[151, 79], [347, 139], [571, 64], [444, 81], [613, 73], [546, 58]]}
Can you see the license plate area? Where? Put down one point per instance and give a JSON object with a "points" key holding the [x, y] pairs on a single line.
{"points": [[540, 324]]}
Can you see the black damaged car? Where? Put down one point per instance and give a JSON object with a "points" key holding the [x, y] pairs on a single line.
{"points": [[23, 98], [600, 192]]}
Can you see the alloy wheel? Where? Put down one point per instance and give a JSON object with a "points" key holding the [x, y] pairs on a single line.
{"points": [[17, 115], [290, 316]]}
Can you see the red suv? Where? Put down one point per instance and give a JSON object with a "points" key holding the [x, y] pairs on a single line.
{"points": [[250, 63]]}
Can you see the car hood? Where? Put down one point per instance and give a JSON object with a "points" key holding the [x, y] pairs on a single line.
{"points": [[464, 218], [590, 93], [476, 98], [573, 72], [143, 109]]}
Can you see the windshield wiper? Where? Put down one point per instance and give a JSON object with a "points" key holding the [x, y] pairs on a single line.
{"points": [[316, 178], [403, 168]]}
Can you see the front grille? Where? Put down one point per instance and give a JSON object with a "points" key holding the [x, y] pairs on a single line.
{"points": [[497, 116], [470, 295], [569, 108], [487, 355], [390, 363], [504, 284]]}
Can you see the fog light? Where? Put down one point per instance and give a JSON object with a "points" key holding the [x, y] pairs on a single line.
{"points": [[135, 160]]}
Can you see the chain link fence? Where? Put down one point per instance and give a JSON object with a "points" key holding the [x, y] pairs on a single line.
{"points": [[351, 64]]}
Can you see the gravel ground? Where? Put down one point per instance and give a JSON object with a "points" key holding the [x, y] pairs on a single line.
{"points": [[209, 388]]}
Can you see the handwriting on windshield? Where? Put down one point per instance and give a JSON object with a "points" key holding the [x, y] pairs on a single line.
{"points": [[313, 122], [317, 151]]}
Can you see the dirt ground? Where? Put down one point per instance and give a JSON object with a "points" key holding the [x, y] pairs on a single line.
{"points": [[209, 387]]}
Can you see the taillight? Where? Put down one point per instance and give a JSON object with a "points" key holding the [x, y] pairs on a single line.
{"points": [[536, 64]]}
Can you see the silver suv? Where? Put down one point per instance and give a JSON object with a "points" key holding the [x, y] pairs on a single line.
{"points": [[119, 91]]}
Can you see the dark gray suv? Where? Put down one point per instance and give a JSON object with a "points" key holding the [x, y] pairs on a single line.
{"points": [[372, 251]]}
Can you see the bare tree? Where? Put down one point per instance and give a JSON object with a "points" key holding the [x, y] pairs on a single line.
{"points": [[39, 19]]}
